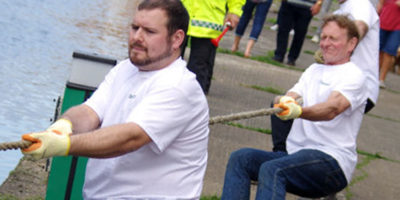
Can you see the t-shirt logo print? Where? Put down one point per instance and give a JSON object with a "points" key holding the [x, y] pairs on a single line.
{"points": [[131, 96]]}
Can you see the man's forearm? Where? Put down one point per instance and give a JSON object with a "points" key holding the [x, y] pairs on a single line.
{"points": [[109, 141], [327, 110], [362, 28], [320, 112], [83, 118]]}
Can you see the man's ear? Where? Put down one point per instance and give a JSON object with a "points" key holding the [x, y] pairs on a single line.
{"points": [[352, 44], [177, 38]]}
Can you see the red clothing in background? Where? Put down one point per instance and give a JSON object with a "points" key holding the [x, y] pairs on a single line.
{"points": [[390, 16]]}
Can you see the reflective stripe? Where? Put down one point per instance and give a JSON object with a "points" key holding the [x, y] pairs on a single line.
{"points": [[205, 24], [302, 2]]}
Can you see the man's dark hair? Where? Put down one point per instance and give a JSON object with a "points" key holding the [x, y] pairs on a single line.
{"points": [[178, 17], [343, 22]]}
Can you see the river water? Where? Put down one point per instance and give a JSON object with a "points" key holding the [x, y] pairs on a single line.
{"points": [[37, 39]]}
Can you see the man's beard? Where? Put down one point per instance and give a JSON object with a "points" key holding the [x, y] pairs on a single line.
{"points": [[148, 60]]}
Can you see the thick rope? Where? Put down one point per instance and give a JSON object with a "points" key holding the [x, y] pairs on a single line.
{"points": [[249, 114], [15, 145], [243, 115], [217, 119]]}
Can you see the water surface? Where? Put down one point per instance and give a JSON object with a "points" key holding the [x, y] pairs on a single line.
{"points": [[37, 39]]}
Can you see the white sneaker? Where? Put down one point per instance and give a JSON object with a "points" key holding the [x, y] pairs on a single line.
{"points": [[274, 27], [291, 32], [382, 84], [315, 39]]}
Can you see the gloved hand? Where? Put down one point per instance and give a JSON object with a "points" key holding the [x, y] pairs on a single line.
{"points": [[318, 57], [290, 108], [47, 144], [63, 126]]}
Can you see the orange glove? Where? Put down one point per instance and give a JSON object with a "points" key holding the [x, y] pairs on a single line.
{"points": [[63, 126], [47, 144], [290, 108]]}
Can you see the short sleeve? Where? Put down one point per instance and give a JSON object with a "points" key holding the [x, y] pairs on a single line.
{"points": [[100, 98], [352, 86], [163, 114]]}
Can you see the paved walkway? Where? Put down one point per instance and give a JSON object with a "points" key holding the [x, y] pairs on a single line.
{"points": [[378, 169]]}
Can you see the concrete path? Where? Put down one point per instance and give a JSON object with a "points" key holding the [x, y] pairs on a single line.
{"points": [[378, 167]]}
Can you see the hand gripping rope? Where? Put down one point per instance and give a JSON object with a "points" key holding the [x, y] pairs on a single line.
{"points": [[217, 119]]}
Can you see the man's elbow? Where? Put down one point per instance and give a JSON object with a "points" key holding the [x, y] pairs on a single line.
{"points": [[334, 111]]}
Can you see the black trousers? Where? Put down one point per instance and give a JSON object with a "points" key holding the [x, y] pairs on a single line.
{"points": [[296, 17], [201, 60]]}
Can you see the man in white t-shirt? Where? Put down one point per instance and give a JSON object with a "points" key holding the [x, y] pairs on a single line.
{"points": [[366, 55], [145, 128], [322, 142]]}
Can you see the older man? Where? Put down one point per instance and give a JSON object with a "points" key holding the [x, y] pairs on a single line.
{"points": [[365, 56], [321, 145], [146, 127]]}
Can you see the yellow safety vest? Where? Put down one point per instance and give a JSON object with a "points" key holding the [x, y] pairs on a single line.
{"points": [[207, 16]]}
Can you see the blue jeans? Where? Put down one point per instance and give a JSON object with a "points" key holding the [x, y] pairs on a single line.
{"points": [[307, 173], [259, 18], [389, 41]]}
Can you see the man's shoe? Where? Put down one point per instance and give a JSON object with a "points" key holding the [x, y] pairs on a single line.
{"points": [[291, 63], [382, 84], [277, 59], [274, 27], [315, 39]]}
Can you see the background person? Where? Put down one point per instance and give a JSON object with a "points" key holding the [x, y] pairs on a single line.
{"points": [[295, 14], [389, 13], [262, 7], [207, 20], [145, 128]]}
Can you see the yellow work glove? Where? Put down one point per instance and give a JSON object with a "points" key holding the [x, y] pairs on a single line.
{"points": [[290, 108], [318, 57], [47, 144], [63, 126]]}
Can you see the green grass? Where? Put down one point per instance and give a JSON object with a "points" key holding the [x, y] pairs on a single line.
{"points": [[214, 197], [267, 89], [309, 52], [384, 118], [260, 130], [11, 197], [265, 59], [272, 20], [314, 28]]}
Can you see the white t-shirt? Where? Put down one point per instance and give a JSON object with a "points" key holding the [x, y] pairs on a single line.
{"points": [[336, 137], [172, 109], [366, 54]]}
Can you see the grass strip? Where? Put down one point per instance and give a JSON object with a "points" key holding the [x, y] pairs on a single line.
{"points": [[268, 89], [260, 130], [214, 197], [265, 59], [384, 118]]}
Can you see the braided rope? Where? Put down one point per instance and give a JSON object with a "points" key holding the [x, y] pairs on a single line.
{"points": [[15, 145], [217, 119], [244, 115]]}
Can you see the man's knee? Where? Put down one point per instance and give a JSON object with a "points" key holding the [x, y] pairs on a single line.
{"points": [[269, 171], [240, 155]]}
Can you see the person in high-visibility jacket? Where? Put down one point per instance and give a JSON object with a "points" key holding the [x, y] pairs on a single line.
{"points": [[207, 20]]}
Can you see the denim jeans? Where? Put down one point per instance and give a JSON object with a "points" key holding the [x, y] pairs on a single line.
{"points": [[307, 173], [259, 18]]}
